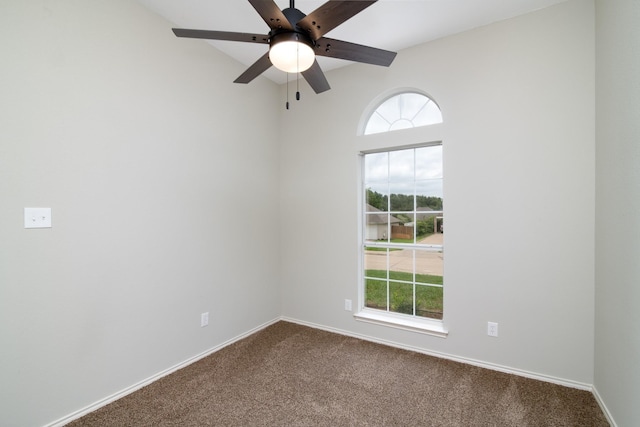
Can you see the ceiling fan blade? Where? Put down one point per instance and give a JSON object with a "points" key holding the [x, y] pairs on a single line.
{"points": [[271, 13], [353, 52], [316, 79], [221, 35], [330, 15], [258, 67]]}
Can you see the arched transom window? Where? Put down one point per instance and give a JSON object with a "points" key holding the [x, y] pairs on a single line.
{"points": [[403, 111]]}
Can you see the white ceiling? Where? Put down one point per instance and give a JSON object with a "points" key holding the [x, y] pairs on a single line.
{"points": [[388, 24]]}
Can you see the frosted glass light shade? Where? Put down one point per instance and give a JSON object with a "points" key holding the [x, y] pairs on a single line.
{"points": [[291, 56]]}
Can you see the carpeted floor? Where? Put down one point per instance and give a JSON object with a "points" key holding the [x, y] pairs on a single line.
{"points": [[292, 375]]}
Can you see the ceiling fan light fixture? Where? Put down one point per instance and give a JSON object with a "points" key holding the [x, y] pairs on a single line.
{"points": [[290, 54]]}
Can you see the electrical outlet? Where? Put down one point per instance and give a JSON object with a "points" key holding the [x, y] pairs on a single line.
{"points": [[347, 305], [492, 329], [204, 319]]}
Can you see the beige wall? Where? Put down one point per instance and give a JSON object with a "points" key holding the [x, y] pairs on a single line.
{"points": [[617, 350], [161, 175]]}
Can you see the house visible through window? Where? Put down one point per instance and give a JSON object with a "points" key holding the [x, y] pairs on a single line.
{"points": [[403, 235]]}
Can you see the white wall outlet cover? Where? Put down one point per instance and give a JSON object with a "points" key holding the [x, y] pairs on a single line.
{"points": [[492, 329], [37, 217], [204, 319]]}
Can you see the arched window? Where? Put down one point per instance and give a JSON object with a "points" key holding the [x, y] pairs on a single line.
{"points": [[402, 217], [402, 111]]}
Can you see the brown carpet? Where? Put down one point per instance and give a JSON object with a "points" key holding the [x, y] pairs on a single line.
{"points": [[292, 375]]}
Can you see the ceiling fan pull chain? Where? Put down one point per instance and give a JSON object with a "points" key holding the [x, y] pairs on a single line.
{"points": [[298, 88], [287, 104], [298, 68]]}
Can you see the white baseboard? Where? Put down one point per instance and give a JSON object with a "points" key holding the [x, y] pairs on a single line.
{"points": [[122, 393], [604, 408], [468, 361]]}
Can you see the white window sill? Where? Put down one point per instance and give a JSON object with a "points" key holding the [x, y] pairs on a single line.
{"points": [[392, 320]]}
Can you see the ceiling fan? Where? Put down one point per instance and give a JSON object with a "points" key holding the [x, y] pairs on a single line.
{"points": [[295, 39]]}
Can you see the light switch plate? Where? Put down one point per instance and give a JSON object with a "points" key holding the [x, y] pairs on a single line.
{"points": [[37, 217]]}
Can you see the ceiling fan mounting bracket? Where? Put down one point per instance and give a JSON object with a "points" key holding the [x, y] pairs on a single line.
{"points": [[294, 16]]}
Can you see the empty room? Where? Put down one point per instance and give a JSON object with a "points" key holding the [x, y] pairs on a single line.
{"points": [[181, 217]]}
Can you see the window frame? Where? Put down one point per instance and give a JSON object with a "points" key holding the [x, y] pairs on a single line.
{"points": [[410, 322]]}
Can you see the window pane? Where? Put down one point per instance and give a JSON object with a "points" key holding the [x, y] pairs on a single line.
{"points": [[376, 294], [377, 227], [429, 194], [377, 124], [429, 162], [402, 198], [411, 104], [401, 264], [429, 265], [401, 166], [390, 109], [376, 167], [429, 301], [401, 297], [377, 196], [427, 224], [375, 262], [404, 232], [429, 115], [429, 271]]}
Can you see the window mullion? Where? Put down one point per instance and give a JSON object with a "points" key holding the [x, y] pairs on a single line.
{"points": [[388, 275], [414, 282]]}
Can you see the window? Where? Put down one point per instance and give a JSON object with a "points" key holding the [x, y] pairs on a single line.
{"points": [[403, 232], [402, 111]]}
